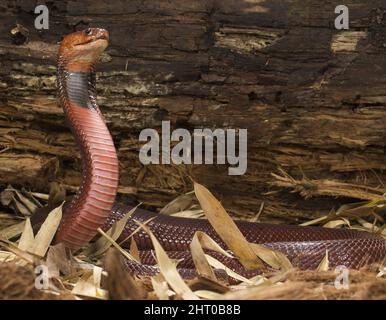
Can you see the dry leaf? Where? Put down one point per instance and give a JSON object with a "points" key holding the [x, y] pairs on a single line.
{"points": [[194, 214], [57, 194], [337, 223], [26, 256], [209, 244], [258, 214], [202, 266], [6, 196], [58, 260], [6, 256], [34, 199], [382, 272], [134, 250], [273, 258], [120, 284], [209, 295], [226, 228], [131, 235], [42, 196], [27, 239], [168, 269], [179, 204], [103, 244], [47, 232], [160, 287], [368, 226], [116, 245], [219, 265], [324, 265], [26, 202], [21, 208], [12, 231], [202, 283], [314, 221], [89, 285]]}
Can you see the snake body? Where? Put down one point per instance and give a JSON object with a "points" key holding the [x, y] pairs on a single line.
{"points": [[94, 204]]}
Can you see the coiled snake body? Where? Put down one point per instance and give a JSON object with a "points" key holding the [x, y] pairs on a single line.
{"points": [[93, 206]]}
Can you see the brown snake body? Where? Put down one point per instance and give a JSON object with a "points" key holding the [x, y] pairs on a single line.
{"points": [[93, 206]]}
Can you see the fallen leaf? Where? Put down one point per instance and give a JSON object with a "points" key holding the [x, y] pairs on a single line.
{"points": [[6, 256], [168, 269], [89, 285], [160, 287], [226, 228], [58, 260], [26, 256], [47, 232], [314, 221], [12, 231], [42, 196], [382, 272], [116, 245], [337, 223], [209, 244], [26, 202], [120, 284], [134, 250], [202, 266], [273, 258], [195, 214], [103, 244], [219, 265], [27, 239], [208, 295], [179, 204], [6, 196], [22, 209], [324, 265]]}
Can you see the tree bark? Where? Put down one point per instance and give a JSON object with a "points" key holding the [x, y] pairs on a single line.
{"points": [[312, 97]]}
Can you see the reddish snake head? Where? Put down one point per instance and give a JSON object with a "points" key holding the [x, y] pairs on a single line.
{"points": [[83, 48]]}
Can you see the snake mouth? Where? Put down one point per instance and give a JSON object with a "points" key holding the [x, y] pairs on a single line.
{"points": [[99, 37], [102, 37]]}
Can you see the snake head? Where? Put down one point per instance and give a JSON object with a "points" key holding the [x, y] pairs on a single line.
{"points": [[84, 46]]}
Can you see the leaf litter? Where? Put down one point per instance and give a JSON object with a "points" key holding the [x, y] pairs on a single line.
{"points": [[98, 272]]}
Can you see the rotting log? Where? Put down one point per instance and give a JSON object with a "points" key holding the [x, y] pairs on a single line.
{"points": [[312, 98]]}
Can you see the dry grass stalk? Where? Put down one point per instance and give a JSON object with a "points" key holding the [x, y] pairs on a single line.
{"points": [[323, 187]]}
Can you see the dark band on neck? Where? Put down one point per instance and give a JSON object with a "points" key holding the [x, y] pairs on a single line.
{"points": [[78, 88]]}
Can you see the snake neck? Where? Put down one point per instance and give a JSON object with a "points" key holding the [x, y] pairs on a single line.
{"points": [[76, 85], [91, 206]]}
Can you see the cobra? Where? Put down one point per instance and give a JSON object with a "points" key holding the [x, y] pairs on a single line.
{"points": [[94, 205]]}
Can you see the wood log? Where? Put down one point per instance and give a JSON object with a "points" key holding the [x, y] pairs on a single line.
{"points": [[312, 97]]}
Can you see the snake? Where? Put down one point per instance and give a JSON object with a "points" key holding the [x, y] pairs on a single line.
{"points": [[94, 205]]}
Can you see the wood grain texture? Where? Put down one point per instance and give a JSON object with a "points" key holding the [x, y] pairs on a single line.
{"points": [[313, 98]]}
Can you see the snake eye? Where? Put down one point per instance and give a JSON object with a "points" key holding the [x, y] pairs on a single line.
{"points": [[88, 31]]}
